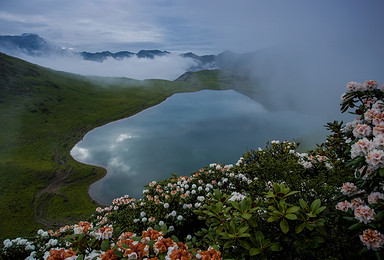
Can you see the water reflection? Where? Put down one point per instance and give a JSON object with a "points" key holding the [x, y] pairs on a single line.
{"points": [[181, 135]]}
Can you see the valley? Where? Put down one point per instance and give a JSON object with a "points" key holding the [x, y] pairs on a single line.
{"points": [[44, 113]]}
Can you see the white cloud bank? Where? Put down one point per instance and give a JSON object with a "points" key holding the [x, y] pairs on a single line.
{"points": [[163, 67]]}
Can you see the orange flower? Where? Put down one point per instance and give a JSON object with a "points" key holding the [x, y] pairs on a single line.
{"points": [[138, 249], [180, 254], [60, 254], [82, 227], [127, 235], [109, 255], [152, 234], [210, 254], [124, 241], [182, 246], [162, 245]]}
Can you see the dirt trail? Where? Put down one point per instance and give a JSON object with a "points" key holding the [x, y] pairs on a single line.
{"points": [[43, 197]]}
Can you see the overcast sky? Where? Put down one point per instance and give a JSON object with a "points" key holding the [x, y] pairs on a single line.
{"points": [[202, 26]]}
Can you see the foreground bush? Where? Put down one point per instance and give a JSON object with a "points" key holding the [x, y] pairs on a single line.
{"points": [[273, 203]]}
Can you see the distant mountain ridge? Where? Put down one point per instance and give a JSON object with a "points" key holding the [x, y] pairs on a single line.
{"points": [[27, 43], [33, 45]]}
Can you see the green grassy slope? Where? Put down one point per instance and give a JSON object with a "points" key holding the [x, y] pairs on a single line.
{"points": [[43, 114]]}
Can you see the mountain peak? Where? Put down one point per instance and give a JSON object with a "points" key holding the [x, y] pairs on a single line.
{"points": [[30, 34], [151, 53], [30, 43]]}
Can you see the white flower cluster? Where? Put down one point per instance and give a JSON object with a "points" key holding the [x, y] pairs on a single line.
{"points": [[309, 161], [235, 196]]}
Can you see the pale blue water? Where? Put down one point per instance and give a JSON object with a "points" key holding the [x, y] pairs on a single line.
{"points": [[181, 135]]}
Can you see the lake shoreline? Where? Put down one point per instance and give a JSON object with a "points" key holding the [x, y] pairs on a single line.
{"points": [[183, 118]]}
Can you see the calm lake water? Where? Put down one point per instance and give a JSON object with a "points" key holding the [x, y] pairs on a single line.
{"points": [[181, 135]]}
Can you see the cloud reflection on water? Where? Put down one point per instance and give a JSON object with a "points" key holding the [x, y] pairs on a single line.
{"points": [[181, 135]]}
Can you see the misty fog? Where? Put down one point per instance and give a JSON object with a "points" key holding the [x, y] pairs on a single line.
{"points": [[167, 67]]}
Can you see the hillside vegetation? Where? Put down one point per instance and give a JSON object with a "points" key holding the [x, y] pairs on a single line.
{"points": [[44, 113]]}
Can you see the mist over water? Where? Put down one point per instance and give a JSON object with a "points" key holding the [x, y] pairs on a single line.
{"points": [[309, 77], [181, 135]]}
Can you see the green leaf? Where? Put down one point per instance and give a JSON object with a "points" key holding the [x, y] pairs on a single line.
{"points": [[273, 218], [319, 210], [174, 238], [209, 213], [291, 216], [219, 207], [247, 216], [284, 226], [136, 238], [116, 232], [253, 222], [243, 229], [299, 228], [379, 215], [292, 209], [303, 204], [315, 205], [80, 237], [283, 204], [244, 245], [259, 237], [104, 245], [124, 245], [242, 206], [151, 243], [164, 228], [80, 257], [228, 244], [236, 205], [248, 203], [291, 193], [254, 251], [217, 194], [118, 253], [276, 187], [356, 226], [349, 218], [276, 247], [318, 239], [232, 226]]}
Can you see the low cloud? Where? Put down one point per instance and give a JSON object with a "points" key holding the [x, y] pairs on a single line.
{"points": [[167, 67]]}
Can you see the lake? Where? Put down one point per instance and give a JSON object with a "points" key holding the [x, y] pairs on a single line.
{"points": [[181, 135]]}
